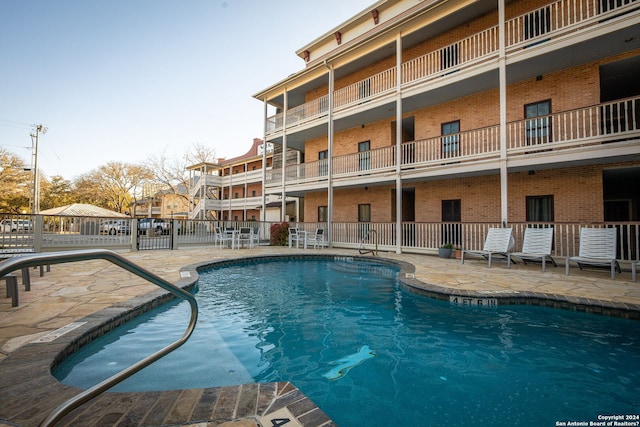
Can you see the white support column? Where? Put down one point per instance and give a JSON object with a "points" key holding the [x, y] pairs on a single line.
{"points": [[283, 206], [330, 159], [503, 115], [398, 143], [264, 164]]}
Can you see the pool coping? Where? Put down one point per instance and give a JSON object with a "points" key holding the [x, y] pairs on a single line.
{"points": [[27, 371]]}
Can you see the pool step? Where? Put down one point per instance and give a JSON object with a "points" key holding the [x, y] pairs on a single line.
{"points": [[236, 406]]}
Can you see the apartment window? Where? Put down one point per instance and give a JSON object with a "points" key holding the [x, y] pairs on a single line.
{"points": [[236, 195], [538, 124], [451, 221], [540, 208], [364, 156], [607, 5], [364, 213], [537, 23], [449, 56], [253, 193], [323, 163], [323, 213], [450, 139], [364, 217]]}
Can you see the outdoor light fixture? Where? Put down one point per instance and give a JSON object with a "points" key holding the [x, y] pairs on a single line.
{"points": [[338, 37]]}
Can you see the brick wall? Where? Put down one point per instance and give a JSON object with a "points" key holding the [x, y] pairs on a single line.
{"points": [[480, 196]]}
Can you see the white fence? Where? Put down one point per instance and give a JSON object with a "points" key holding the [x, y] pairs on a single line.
{"points": [[51, 233]]}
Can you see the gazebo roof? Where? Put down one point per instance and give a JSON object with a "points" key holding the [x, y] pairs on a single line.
{"points": [[81, 209]]}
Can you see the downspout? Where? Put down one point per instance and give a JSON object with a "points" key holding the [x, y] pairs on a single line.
{"points": [[330, 156], [503, 115], [398, 144]]}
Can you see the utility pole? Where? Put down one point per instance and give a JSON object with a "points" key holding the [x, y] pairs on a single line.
{"points": [[36, 175]]}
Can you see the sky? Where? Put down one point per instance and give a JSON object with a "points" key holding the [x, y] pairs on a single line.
{"points": [[127, 80]]}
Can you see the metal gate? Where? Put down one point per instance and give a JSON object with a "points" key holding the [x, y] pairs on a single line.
{"points": [[155, 233]]}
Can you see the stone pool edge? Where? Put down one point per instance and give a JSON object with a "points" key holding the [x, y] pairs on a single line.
{"points": [[27, 371]]}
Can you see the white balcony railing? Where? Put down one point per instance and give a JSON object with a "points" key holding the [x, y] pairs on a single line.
{"points": [[609, 121], [594, 125], [550, 21], [365, 90], [476, 48]]}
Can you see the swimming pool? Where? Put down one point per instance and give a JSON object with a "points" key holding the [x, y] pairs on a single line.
{"points": [[368, 352]]}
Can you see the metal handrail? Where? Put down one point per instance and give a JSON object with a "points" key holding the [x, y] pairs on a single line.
{"points": [[34, 260], [374, 252]]}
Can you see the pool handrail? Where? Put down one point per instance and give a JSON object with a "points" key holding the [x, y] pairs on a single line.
{"points": [[34, 260], [361, 248]]}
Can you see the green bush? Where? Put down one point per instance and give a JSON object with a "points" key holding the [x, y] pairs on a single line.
{"points": [[280, 234]]}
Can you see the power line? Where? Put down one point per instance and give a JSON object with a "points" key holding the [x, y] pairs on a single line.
{"points": [[12, 123]]}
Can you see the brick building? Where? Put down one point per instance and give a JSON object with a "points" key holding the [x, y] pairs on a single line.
{"points": [[477, 113], [231, 189]]}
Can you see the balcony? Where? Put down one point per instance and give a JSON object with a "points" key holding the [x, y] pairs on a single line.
{"points": [[557, 21], [595, 129]]}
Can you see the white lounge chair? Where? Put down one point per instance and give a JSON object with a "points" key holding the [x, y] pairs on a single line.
{"points": [[536, 246], [597, 248], [499, 242], [317, 239]]}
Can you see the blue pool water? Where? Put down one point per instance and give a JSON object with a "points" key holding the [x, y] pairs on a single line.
{"points": [[370, 353]]}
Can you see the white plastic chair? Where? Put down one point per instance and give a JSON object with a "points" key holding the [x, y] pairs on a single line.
{"points": [[245, 235], [294, 236], [222, 237], [317, 239]]}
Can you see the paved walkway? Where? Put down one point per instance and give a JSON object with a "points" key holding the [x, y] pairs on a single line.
{"points": [[74, 291]]}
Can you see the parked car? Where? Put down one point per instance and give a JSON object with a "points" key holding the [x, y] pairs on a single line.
{"points": [[15, 225], [115, 226], [156, 225]]}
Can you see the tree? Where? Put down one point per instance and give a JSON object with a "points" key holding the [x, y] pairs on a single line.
{"points": [[112, 186], [15, 183], [55, 193], [172, 173]]}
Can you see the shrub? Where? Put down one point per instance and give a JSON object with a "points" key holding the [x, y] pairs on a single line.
{"points": [[279, 234]]}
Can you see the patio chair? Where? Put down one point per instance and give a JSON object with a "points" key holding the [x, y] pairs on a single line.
{"points": [[245, 235], [255, 236], [295, 236], [499, 242], [536, 246], [597, 248], [317, 239], [223, 237]]}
